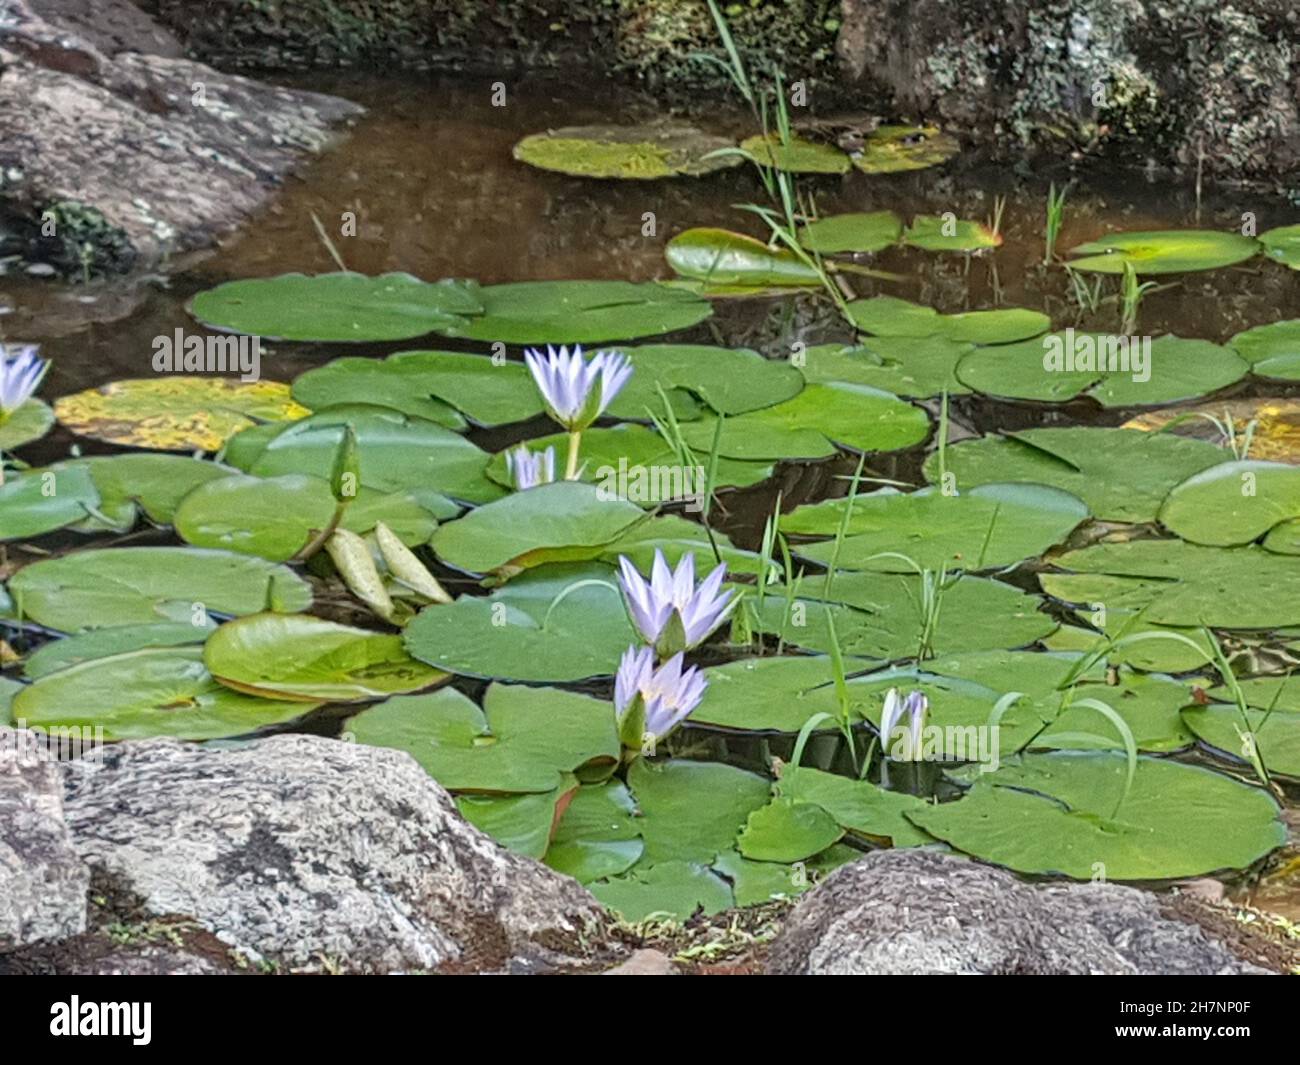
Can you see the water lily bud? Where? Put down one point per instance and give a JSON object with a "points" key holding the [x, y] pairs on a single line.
{"points": [[408, 569], [352, 558], [345, 477]]}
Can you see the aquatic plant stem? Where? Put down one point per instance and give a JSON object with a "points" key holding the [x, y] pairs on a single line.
{"points": [[318, 541], [571, 463]]}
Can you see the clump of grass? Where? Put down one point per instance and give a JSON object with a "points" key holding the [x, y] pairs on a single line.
{"points": [[1131, 299], [1055, 215]]}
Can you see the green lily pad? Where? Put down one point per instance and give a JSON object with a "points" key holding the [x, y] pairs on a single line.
{"points": [[29, 422], [438, 386], [645, 152], [1267, 693], [895, 149], [1181, 584], [777, 693], [1155, 656], [813, 423], [989, 527], [277, 517], [1063, 366], [728, 380], [579, 312], [891, 317], [1121, 474], [1275, 736], [155, 484], [150, 692], [522, 740], [692, 811], [175, 413], [397, 452], [635, 463], [670, 889], [336, 307], [103, 643], [1233, 503], [1273, 351], [597, 836], [787, 831], [721, 257], [916, 367], [524, 631], [32, 504], [296, 656], [520, 823], [675, 537], [797, 155], [1149, 705], [858, 805], [543, 522], [754, 883], [939, 233], [140, 585], [859, 232], [1055, 813], [1282, 245], [1171, 251]]}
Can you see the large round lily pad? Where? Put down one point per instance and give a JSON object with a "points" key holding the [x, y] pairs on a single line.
{"points": [[989, 527], [146, 693], [336, 307], [1121, 474], [892, 317], [1056, 813], [728, 380], [1171, 251], [582, 312], [1273, 351], [138, 585], [35, 503], [297, 656], [521, 631], [907, 366], [769, 694], [522, 740], [175, 413], [654, 150], [1233, 503]]}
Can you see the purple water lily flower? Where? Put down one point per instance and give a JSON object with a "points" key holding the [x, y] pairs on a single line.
{"points": [[568, 383], [669, 694], [914, 707], [21, 371], [528, 469], [669, 611]]}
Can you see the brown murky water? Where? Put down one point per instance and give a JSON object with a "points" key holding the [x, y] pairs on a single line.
{"points": [[434, 190]]}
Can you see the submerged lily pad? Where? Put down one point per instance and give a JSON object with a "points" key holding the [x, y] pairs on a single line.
{"points": [[894, 149], [1121, 474], [438, 386], [581, 312], [1171, 251], [336, 307], [941, 233], [1282, 245], [175, 413], [989, 527], [296, 656], [727, 380], [1181, 584], [522, 740], [1116, 371], [549, 624], [29, 422], [859, 232], [150, 692], [798, 155], [890, 316], [1273, 351], [916, 367], [1233, 503], [1275, 436], [814, 423], [654, 150], [1056, 813], [139, 585], [721, 257]]}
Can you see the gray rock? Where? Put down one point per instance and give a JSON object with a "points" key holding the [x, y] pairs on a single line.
{"points": [[42, 881], [645, 962], [902, 912], [309, 850]]}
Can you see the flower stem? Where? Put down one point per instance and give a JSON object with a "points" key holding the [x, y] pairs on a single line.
{"points": [[571, 464]]}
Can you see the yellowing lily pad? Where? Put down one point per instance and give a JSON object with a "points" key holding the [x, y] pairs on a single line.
{"points": [[655, 150], [1276, 435], [894, 149], [175, 413], [1171, 251], [798, 155]]}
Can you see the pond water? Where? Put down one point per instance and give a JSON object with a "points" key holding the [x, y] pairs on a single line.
{"points": [[435, 191]]}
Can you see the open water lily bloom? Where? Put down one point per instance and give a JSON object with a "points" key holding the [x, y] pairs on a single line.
{"points": [[21, 371], [668, 610], [577, 390], [666, 696]]}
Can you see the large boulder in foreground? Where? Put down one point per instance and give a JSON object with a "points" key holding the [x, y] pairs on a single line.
{"points": [[42, 881], [905, 912], [116, 152], [300, 848]]}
